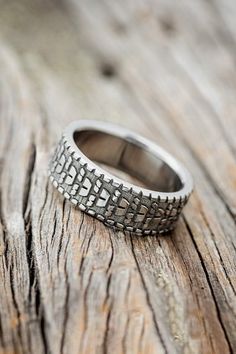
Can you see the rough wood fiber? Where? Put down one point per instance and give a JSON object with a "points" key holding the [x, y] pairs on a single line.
{"points": [[68, 284]]}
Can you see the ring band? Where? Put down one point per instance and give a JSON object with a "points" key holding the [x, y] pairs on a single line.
{"points": [[118, 203]]}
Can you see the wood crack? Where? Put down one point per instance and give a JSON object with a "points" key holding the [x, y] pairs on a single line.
{"points": [[34, 283], [29, 174], [107, 328], [66, 311], [210, 288], [218, 252], [147, 296], [18, 312]]}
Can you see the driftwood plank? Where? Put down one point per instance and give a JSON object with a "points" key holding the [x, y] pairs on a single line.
{"points": [[68, 283]]}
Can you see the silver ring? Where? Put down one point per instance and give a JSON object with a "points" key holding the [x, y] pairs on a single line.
{"points": [[120, 204]]}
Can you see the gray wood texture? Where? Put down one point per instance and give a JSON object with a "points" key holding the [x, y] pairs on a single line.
{"points": [[165, 68]]}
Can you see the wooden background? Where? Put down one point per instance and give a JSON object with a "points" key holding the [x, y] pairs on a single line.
{"points": [[166, 69]]}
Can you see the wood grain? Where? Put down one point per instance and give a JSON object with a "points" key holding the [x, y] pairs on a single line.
{"points": [[68, 283]]}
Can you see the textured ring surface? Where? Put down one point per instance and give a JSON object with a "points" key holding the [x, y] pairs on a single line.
{"points": [[108, 198]]}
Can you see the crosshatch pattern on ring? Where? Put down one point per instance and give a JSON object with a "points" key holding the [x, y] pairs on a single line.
{"points": [[113, 203]]}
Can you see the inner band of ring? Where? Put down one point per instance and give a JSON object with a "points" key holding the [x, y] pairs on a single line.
{"points": [[127, 151], [169, 184]]}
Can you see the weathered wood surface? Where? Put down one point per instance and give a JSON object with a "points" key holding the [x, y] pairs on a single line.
{"points": [[165, 68]]}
